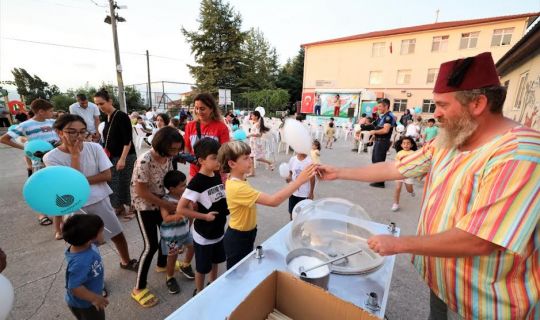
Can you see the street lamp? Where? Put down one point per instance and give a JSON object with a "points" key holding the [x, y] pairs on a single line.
{"points": [[112, 19]]}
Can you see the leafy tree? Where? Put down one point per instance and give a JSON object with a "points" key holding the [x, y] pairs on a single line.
{"points": [[271, 99], [216, 46], [259, 63], [62, 101], [32, 87], [291, 77]]}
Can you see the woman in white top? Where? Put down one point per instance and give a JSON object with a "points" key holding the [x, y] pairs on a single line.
{"points": [[90, 159]]}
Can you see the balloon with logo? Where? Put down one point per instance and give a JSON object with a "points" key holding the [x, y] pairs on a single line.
{"points": [[56, 190], [36, 149], [284, 170], [239, 134], [297, 136], [7, 297]]}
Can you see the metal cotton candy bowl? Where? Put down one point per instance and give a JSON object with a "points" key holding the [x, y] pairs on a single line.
{"points": [[319, 278], [335, 227]]}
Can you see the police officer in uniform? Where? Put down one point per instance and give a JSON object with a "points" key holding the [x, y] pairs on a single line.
{"points": [[383, 132]]}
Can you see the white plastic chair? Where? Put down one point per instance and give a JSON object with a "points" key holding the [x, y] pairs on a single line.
{"points": [[138, 138], [282, 143], [365, 136]]}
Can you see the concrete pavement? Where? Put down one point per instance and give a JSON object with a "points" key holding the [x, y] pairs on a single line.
{"points": [[36, 265]]}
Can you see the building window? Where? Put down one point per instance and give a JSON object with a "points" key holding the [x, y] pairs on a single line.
{"points": [[440, 44], [428, 106], [378, 49], [521, 90], [432, 75], [501, 37], [400, 105], [468, 40], [375, 77], [403, 77], [407, 46]]}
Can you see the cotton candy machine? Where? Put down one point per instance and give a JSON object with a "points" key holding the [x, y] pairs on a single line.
{"points": [[335, 227]]}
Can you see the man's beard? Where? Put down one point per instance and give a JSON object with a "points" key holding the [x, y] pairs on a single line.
{"points": [[455, 133]]}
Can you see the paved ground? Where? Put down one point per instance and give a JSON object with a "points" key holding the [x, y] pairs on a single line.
{"points": [[36, 263]]}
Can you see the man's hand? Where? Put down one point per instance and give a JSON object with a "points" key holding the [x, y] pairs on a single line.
{"points": [[327, 172], [384, 245]]}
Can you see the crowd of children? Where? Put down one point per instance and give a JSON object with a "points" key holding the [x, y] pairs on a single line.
{"points": [[212, 217]]}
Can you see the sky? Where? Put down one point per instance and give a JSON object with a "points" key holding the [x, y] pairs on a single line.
{"points": [[156, 26]]}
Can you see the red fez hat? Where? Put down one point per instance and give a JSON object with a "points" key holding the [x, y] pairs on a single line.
{"points": [[467, 74]]}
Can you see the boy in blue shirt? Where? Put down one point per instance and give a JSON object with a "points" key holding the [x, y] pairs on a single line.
{"points": [[84, 271]]}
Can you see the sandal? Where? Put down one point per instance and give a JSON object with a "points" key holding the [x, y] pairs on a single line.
{"points": [[58, 236], [45, 221], [132, 265], [144, 298]]}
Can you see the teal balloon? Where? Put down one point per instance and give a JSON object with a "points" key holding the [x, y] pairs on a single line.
{"points": [[234, 127], [36, 149], [56, 190], [239, 135], [418, 110], [12, 127]]}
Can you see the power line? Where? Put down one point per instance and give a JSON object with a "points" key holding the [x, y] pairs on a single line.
{"points": [[98, 5], [87, 48]]}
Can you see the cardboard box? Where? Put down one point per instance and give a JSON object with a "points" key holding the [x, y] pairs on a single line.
{"points": [[297, 299]]}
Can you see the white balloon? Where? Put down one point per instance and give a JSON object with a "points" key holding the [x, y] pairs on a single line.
{"points": [[400, 128], [297, 136], [7, 297], [284, 170], [261, 111]]}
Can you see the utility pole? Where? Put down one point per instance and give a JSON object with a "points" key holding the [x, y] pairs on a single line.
{"points": [[437, 16], [149, 83], [121, 94]]}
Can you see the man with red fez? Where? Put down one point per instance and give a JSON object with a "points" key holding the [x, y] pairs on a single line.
{"points": [[478, 234]]}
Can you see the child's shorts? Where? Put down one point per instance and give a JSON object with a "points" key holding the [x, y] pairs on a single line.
{"points": [[407, 180], [206, 255], [175, 246]]}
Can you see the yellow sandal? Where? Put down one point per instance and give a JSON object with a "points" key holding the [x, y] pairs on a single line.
{"points": [[144, 298]]}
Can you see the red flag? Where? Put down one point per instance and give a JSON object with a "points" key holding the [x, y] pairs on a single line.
{"points": [[390, 47]]}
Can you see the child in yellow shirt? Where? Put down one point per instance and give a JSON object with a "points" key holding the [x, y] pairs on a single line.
{"points": [[242, 197]]}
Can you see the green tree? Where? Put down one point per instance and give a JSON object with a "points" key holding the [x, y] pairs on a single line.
{"points": [[62, 101], [32, 87], [259, 63], [271, 99], [291, 76], [216, 46]]}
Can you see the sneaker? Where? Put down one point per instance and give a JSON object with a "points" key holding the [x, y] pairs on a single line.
{"points": [[187, 271], [413, 194], [173, 286], [395, 207]]}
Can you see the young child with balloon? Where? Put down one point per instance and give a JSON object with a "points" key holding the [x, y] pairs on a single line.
{"points": [[242, 199], [90, 159], [39, 128], [297, 164]]}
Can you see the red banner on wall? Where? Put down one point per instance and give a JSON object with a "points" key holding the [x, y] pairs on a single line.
{"points": [[308, 100]]}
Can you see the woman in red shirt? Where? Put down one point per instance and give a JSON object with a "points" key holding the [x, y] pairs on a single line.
{"points": [[208, 123]]}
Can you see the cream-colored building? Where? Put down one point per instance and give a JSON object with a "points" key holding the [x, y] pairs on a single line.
{"points": [[402, 64], [519, 69]]}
